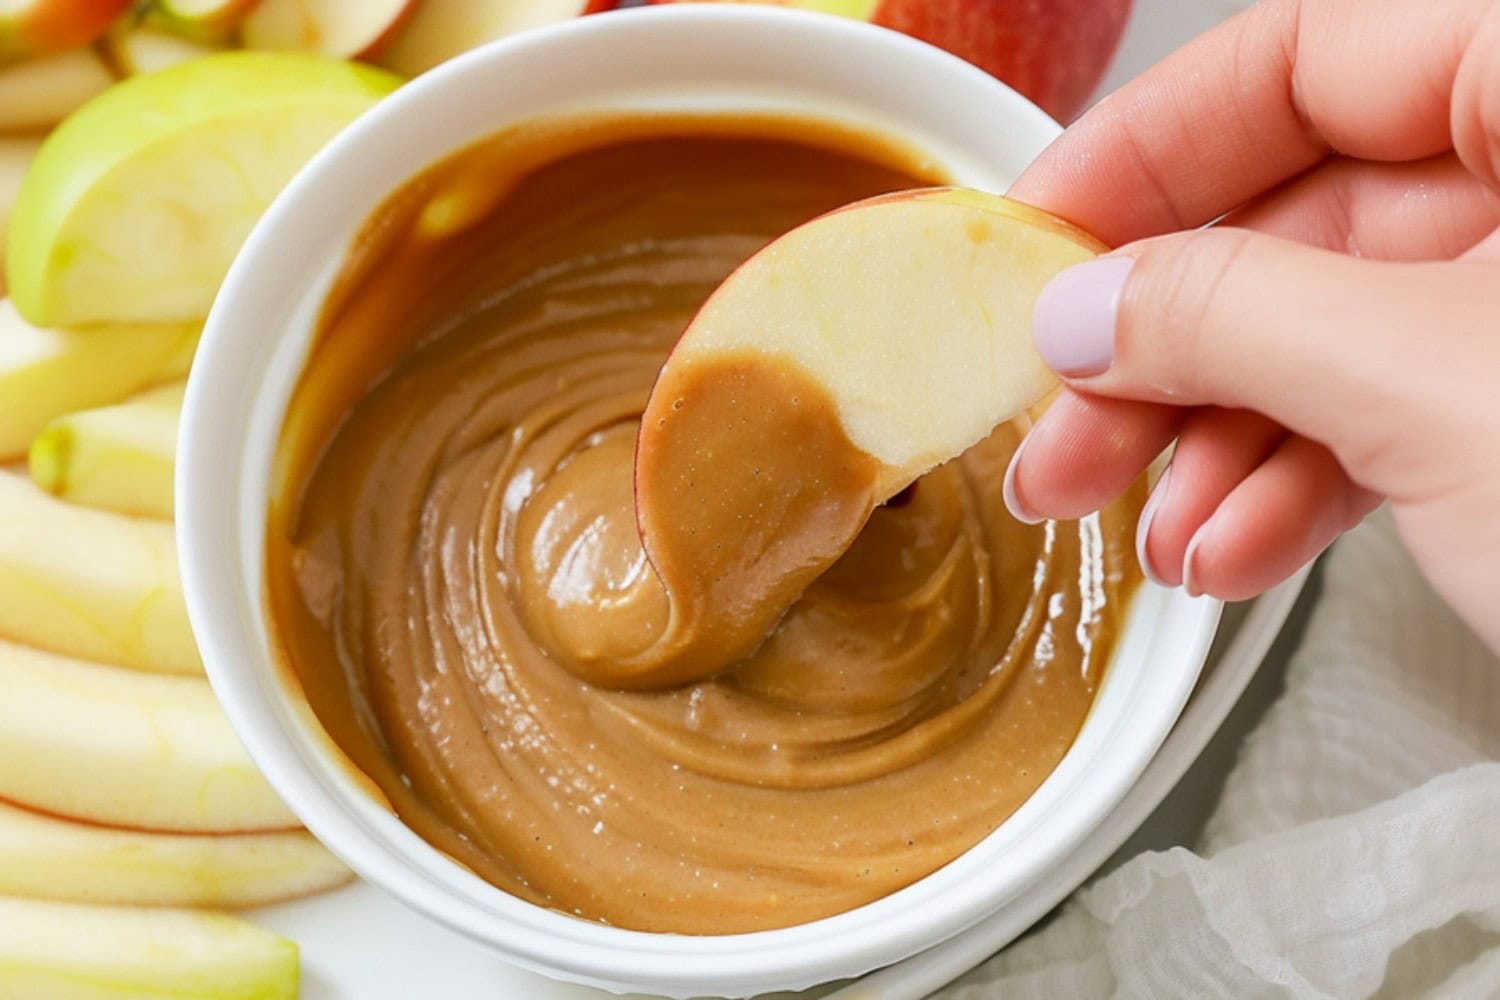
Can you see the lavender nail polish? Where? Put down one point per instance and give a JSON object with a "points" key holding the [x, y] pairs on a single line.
{"points": [[1074, 320]]}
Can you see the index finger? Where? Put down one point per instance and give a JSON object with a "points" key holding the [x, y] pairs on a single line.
{"points": [[1253, 102]]}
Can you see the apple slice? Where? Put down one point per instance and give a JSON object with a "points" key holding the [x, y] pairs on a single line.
{"points": [[47, 373], [828, 372], [67, 951], [45, 857], [38, 27], [147, 50], [91, 584], [135, 206], [16, 153], [38, 93], [334, 28], [118, 458], [438, 30], [201, 20], [122, 748]]}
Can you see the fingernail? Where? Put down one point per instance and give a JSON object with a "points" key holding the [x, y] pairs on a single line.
{"points": [[1143, 529], [1074, 319], [1189, 562], [1013, 501]]}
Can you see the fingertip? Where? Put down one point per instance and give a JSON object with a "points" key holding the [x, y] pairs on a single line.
{"points": [[1011, 494], [1143, 530]]}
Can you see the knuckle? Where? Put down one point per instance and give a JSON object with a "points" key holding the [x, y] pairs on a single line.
{"points": [[1175, 305], [1475, 105]]}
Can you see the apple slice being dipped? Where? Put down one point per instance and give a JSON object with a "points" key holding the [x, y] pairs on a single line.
{"points": [[823, 376]]}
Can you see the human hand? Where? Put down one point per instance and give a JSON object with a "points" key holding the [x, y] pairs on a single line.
{"points": [[1333, 341]]}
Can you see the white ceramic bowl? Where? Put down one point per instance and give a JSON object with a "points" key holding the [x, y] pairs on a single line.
{"points": [[677, 57]]}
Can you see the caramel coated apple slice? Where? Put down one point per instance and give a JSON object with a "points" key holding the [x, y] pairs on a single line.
{"points": [[828, 372]]}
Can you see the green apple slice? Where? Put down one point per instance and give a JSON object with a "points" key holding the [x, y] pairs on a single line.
{"points": [[90, 583], [67, 951], [46, 857], [47, 373], [911, 311], [118, 458], [136, 205], [118, 747], [16, 154]]}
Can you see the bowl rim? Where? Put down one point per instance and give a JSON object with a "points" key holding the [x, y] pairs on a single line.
{"points": [[220, 545]]}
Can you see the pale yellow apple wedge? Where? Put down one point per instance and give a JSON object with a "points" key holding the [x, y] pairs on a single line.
{"points": [[146, 50], [328, 27], [136, 205], [68, 951], [45, 373], [46, 857], [117, 457], [912, 311], [39, 93], [123, 748], [91, 584], [438, 30]]}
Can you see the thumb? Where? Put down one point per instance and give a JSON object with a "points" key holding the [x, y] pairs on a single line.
{"points": [[1385, 364]]}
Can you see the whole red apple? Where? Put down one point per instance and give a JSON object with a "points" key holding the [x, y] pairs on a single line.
{"points": [[1053, 51]]}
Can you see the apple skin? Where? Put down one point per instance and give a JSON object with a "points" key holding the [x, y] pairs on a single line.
{"points": [[1054, 52], [44, 26]]}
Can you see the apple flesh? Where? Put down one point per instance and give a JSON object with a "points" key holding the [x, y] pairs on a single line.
{"points": [[438, 30], [1055, 52], [47, 373], [334, 28], [38, 93], [66, 951], [135, 206], [91, 584], [38, 27], [147, 50], [912, 311], [118, 458], [122, 748], [46, 857]]}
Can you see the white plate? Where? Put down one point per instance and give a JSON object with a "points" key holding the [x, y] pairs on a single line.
{"points": [[358, 944]]}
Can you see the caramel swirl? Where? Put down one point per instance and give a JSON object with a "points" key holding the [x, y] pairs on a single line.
{"points": [[453, 541]]}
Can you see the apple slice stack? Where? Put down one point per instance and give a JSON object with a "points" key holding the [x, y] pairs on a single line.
{"points": [[127, 805]]}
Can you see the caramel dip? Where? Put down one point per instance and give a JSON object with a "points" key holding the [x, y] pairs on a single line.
{"points": [[456, 581]]}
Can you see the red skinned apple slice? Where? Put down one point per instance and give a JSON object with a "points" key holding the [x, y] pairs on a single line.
{"points": [[828, 372], [438, 30], [334, 28], [38, 27], [39, 93], [912, 311]]}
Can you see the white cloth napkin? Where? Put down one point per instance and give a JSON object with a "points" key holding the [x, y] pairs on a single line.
{"points": [[1355, 850]]}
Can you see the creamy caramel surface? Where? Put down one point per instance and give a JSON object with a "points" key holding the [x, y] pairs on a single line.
{"points": [[456, 580]]}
